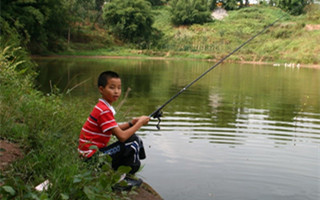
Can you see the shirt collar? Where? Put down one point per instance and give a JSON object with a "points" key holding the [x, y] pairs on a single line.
{"points": [[110, 107]]}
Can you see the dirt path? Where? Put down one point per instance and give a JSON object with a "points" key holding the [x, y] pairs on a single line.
{"points": [[9, 152], [145, 192]]}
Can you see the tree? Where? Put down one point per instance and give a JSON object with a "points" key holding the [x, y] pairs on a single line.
{"points": [[212, 4], [78, 11], [156, 2], [294, 7], [39, 23], [187, 12], [230, 4], [130, 20]]}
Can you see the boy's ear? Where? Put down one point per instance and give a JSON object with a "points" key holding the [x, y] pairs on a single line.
{"points": [[101, 89]]}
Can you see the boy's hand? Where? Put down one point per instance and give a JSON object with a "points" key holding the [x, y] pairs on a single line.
{"points": [[134, 121], [143, 120]]}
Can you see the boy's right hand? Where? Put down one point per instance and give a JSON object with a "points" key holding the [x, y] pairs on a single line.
{"points": [[143, 120]]}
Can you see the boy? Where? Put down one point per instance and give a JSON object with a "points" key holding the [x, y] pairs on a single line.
{"points": [[100, 125]]}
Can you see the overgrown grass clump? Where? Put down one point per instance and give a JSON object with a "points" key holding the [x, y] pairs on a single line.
{"points": [[47, 130]]}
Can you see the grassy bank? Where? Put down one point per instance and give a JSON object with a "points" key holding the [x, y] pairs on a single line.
{"points": [[288, 41], [46, 128]]}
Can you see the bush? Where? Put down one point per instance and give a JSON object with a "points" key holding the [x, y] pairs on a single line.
{"points": [[187, 12], [131, 21], [313, 12], [231, 5], [157, 2], [294, 7]]}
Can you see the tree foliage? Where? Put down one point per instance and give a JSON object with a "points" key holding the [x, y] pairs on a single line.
{"points": [[39, 23], [44, 25], [157, 2], [231, 4], [130, 21], [186, 12], [294, 7]]}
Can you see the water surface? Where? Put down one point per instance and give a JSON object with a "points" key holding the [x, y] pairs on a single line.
{"points": [[241, 132]]}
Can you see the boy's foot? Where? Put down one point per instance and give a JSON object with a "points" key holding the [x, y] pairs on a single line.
{"points": [[127, 184], [135, 182]]}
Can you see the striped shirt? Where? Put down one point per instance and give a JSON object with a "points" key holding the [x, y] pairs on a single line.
{"points": [[97, 128]]}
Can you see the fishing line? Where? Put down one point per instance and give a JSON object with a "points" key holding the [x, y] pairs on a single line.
{"points": [[158, 113]]}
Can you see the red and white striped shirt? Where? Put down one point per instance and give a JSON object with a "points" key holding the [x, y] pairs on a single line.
{"points": [[97, 128]]}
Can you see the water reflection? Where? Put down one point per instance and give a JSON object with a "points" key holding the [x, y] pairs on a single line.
{"points": [[252, 121]]}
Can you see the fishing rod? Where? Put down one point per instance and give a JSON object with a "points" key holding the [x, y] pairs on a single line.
{"points": [[157, 114]]}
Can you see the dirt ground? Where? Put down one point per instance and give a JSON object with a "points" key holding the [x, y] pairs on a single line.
{"points": [[9, 152], [145, 192]]}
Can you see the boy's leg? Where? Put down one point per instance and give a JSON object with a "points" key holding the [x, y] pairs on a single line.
{"points": [[127, 153], [115, 150], [133, 153]]}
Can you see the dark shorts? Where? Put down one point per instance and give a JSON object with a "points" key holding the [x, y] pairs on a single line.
{"points": [[128, 153]]}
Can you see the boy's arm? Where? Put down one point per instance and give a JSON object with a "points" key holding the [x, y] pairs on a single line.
{"points": [[126, 125], [125, 133]]}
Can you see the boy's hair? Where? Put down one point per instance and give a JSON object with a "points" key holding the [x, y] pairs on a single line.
{"points": [[105, 76]]}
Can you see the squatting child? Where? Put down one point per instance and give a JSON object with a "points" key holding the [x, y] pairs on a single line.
{"points": [[101, 125]]}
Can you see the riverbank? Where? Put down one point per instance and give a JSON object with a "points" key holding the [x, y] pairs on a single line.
{"points": [[145, 57], [38, 137], [11, 152]]}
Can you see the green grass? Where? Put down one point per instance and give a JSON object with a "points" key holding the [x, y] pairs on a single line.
{"points": [[47, 129], [111, 51], [286, 41]]}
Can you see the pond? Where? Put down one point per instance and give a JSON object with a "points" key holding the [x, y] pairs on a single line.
{"points": [[241, 132]]}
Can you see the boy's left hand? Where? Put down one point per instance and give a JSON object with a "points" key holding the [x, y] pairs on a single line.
{"points": [[145, 119], [134, 121]]}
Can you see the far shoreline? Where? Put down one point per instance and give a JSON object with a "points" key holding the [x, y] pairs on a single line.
{"points": [[290, 65]]}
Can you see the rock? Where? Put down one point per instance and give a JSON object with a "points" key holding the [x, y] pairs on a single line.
{"points": [[219, 13]]}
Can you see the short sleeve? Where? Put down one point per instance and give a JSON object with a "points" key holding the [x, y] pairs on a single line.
{"points": [[106, 121]]}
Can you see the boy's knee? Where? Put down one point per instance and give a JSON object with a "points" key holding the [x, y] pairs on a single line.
{"points": [[132, 138], [135, 168]]}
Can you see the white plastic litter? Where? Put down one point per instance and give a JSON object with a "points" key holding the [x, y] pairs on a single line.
{"points": [[43, 186]]}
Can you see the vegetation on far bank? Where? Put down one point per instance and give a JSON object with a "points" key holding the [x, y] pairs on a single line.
{"points": [[166, 28], [288, 41]]}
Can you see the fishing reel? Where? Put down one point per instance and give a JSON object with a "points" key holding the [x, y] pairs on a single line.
{"points": [[157, 115]]}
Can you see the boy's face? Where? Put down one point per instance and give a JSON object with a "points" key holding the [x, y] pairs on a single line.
{"points": [[112, 91]]}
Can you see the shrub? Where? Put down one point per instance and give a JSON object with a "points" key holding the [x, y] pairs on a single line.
{"points": [[187, 12], [131, 21], [294, 7]]}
